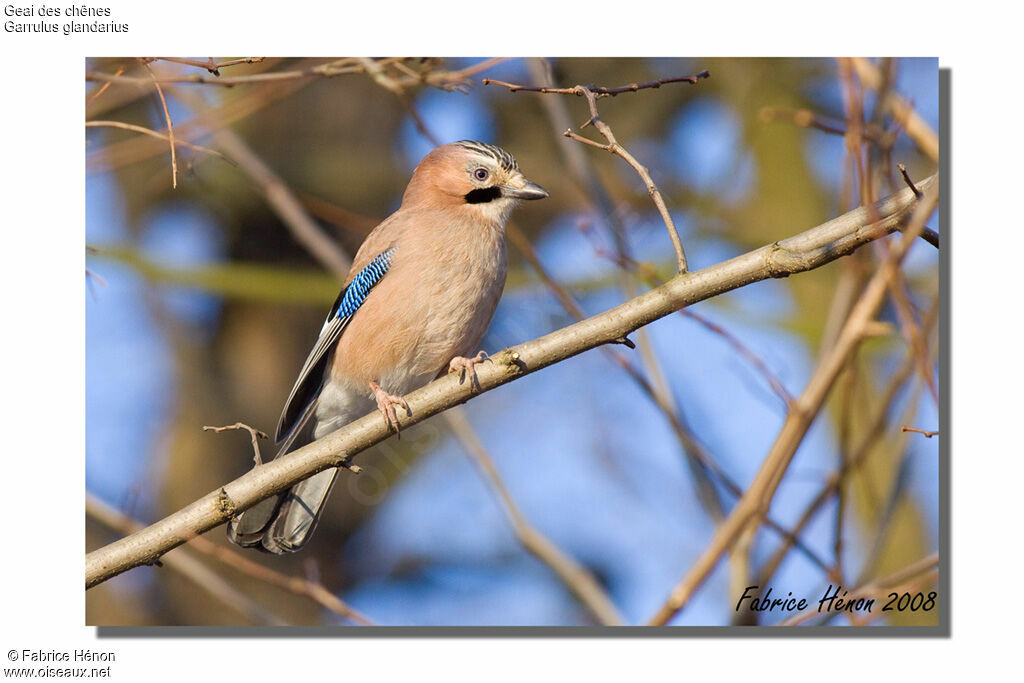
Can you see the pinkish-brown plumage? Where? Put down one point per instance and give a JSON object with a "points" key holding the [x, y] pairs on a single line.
{"points": [[427, 312]]}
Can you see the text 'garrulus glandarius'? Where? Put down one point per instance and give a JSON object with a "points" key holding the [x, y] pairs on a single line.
{"points": [[416, 303]]}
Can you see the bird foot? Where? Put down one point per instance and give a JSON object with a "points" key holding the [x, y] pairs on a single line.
{"points": [[386, 405], [465, 366]]}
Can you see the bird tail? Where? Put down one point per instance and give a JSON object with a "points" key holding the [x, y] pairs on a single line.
{"points": [[284, 523]]}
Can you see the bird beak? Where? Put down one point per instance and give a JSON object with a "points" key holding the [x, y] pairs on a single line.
{"points": [[527, 191]]}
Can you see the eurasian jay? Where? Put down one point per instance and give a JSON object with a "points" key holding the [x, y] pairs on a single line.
{"points": [[416, 302]]}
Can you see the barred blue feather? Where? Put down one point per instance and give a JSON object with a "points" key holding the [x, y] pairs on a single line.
{"points": [[355, 294]]}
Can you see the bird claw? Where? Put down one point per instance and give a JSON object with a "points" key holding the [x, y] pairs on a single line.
{"points": [[386, 405], [463, 365]]}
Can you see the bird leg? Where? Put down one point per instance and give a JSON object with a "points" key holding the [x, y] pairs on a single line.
{"points": [[463, 365], [386, 404]]}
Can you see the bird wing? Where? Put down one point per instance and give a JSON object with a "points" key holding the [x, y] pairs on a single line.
{"points": [[298, 407]]}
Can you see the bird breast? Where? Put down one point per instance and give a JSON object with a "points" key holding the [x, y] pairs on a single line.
{"points": [[434, 303]]}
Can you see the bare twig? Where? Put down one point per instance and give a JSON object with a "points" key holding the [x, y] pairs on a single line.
{"points": [[103, 88], [601, 91], [919, 431], [156, 134], [769, 376], [210, 65], [847, 384], [417, 119], [911, 330], [805, 251], [355, 224], [253, 432], [805, 118], [91, 276], [699, 455], [853, 106], [900, 109], [580, 583], [170, 126]]}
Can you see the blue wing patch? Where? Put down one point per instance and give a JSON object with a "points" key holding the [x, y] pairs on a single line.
{"points": [[307, 386], [355, 294]]}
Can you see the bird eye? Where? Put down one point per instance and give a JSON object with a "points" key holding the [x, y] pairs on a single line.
{"points": [[480, 174]]}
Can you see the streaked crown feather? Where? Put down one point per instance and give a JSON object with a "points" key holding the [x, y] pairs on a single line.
{"points": [[504, 159]]}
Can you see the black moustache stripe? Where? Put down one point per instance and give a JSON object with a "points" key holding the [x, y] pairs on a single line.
{"points": [[482, 195]]}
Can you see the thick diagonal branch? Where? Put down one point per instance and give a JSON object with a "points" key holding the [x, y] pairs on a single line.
{"points": [[805, 251]]}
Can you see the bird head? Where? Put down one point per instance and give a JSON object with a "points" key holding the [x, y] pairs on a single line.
{"points": [[470, 176]]}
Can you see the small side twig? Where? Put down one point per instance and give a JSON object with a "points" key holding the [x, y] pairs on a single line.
{"points": [[253, 432], [170, 127], [929, 235], [919, 431], [908, 181]]}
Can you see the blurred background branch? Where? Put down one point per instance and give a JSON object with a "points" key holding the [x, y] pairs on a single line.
{"points": [[757, 499]]}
